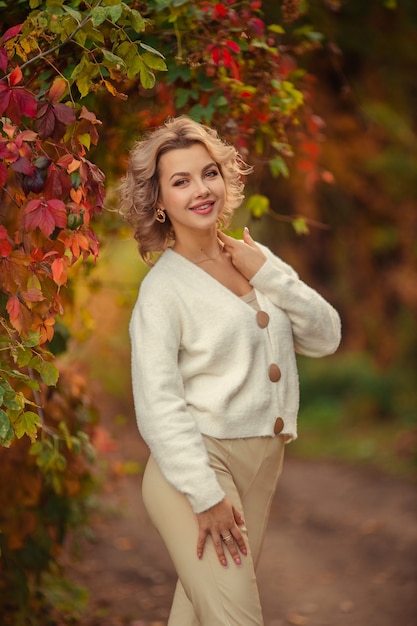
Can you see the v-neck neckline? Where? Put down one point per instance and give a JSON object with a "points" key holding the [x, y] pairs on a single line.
{"points": [[193, 266]]}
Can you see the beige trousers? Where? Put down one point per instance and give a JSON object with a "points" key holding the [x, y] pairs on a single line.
{"points": [[208, 594]]}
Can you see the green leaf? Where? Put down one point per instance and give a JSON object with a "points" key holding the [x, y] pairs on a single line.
{"points": [[258, 205], [154, 62], [278, 167], [147, 78], [113, 60], [27, 424], [152, 50], [32, 339], [114, 12], [23, 356], [136, 21], [276, 28], [300, 226], [99, 15], [6, 430], [68, 439], [85, 140], [74, 14], [14, 401], [182, 96], [49, 373]]}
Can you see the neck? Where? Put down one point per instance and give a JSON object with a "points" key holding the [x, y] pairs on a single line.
{"points": [[206, 247]]}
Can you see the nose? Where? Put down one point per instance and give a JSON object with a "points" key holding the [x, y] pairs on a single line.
{"points": [[201, 189]]}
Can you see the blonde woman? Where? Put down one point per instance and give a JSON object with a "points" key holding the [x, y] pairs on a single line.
{"points": [[214, 334]]}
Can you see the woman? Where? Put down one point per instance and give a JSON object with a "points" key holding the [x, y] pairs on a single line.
{"points": [[214, 334]]}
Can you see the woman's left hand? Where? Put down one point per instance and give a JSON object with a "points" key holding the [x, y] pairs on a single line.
{"points": [[246, 256], [222, 522]]}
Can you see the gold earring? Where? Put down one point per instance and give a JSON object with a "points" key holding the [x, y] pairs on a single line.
{"points": [[160, 215]]}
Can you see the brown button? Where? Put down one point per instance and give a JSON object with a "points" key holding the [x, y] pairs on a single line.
{"points": [[262, 318], [279, 425], [274, 373]]}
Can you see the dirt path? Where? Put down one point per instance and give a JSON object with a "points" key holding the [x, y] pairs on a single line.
{"points": [[341, 548]]}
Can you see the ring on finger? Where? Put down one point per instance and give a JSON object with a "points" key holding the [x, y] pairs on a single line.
{"points": [[228, 537]]}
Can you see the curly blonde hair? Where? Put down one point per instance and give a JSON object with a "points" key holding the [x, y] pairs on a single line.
{"points": [[139, 190]]}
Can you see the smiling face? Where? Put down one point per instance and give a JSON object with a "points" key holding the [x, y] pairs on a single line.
{"points": [[192, 190]]}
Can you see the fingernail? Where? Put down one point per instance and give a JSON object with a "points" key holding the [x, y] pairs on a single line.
{"points": [[224, 562], [246, 229], [238, 561], [245, 552]]}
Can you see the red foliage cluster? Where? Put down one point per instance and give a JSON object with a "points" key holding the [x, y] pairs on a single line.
{"points": [[49, 193]]}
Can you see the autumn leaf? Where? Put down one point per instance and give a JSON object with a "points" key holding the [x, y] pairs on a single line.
{"points": [[20, 316], [3, 174], [16, 102], [4, 59], [10, 33], [57, 89], [59, 272], [27, 424], [45, 215], [13, 308], [33, 295], [6, 430], [5, 245]]}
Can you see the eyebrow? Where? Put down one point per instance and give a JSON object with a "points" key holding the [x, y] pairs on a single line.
{"points": [[205, 168]]}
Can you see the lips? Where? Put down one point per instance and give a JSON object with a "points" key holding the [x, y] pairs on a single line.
{"points": [[203, 208]]}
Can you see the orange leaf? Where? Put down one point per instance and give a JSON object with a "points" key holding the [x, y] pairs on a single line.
{"points": [[13, 308], [59, 272], [73, 166], [58, 89], [33, 295], [15, 77], [76, 195]]}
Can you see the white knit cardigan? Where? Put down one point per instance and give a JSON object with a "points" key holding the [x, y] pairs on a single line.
{"points": [[200, 362]]}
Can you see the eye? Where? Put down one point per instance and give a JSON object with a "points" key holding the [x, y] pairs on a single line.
{"points": [[212, 173], [180, 182]]}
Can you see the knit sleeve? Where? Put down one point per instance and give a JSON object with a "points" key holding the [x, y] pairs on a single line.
{"points": [[161, 412], [315, 323]]}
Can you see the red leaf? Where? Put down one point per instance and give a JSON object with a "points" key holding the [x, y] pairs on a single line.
{"points": [[227, 58], [4, 59], [21, 102], [3, 174], [219, 10], [4, 97], [57, 184], [233, 45], [45, 215], [88, 115], [23, 166], [64, 113], [11, 32], [46, 123], [215, 55], [33, 295], [15, 77], [28, 135], [5, 245], [13, 308]]}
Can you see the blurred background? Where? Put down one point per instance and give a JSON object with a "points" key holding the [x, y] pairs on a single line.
{"points": [[357, 245]]}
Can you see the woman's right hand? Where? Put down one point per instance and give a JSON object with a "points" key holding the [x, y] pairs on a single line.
{"points": [[222, 522]]}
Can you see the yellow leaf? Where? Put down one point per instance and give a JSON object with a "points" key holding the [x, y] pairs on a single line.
{"points": [[85, 140]]}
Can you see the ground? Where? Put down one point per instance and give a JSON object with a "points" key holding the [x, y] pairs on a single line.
{"points": [[341, 548]]}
